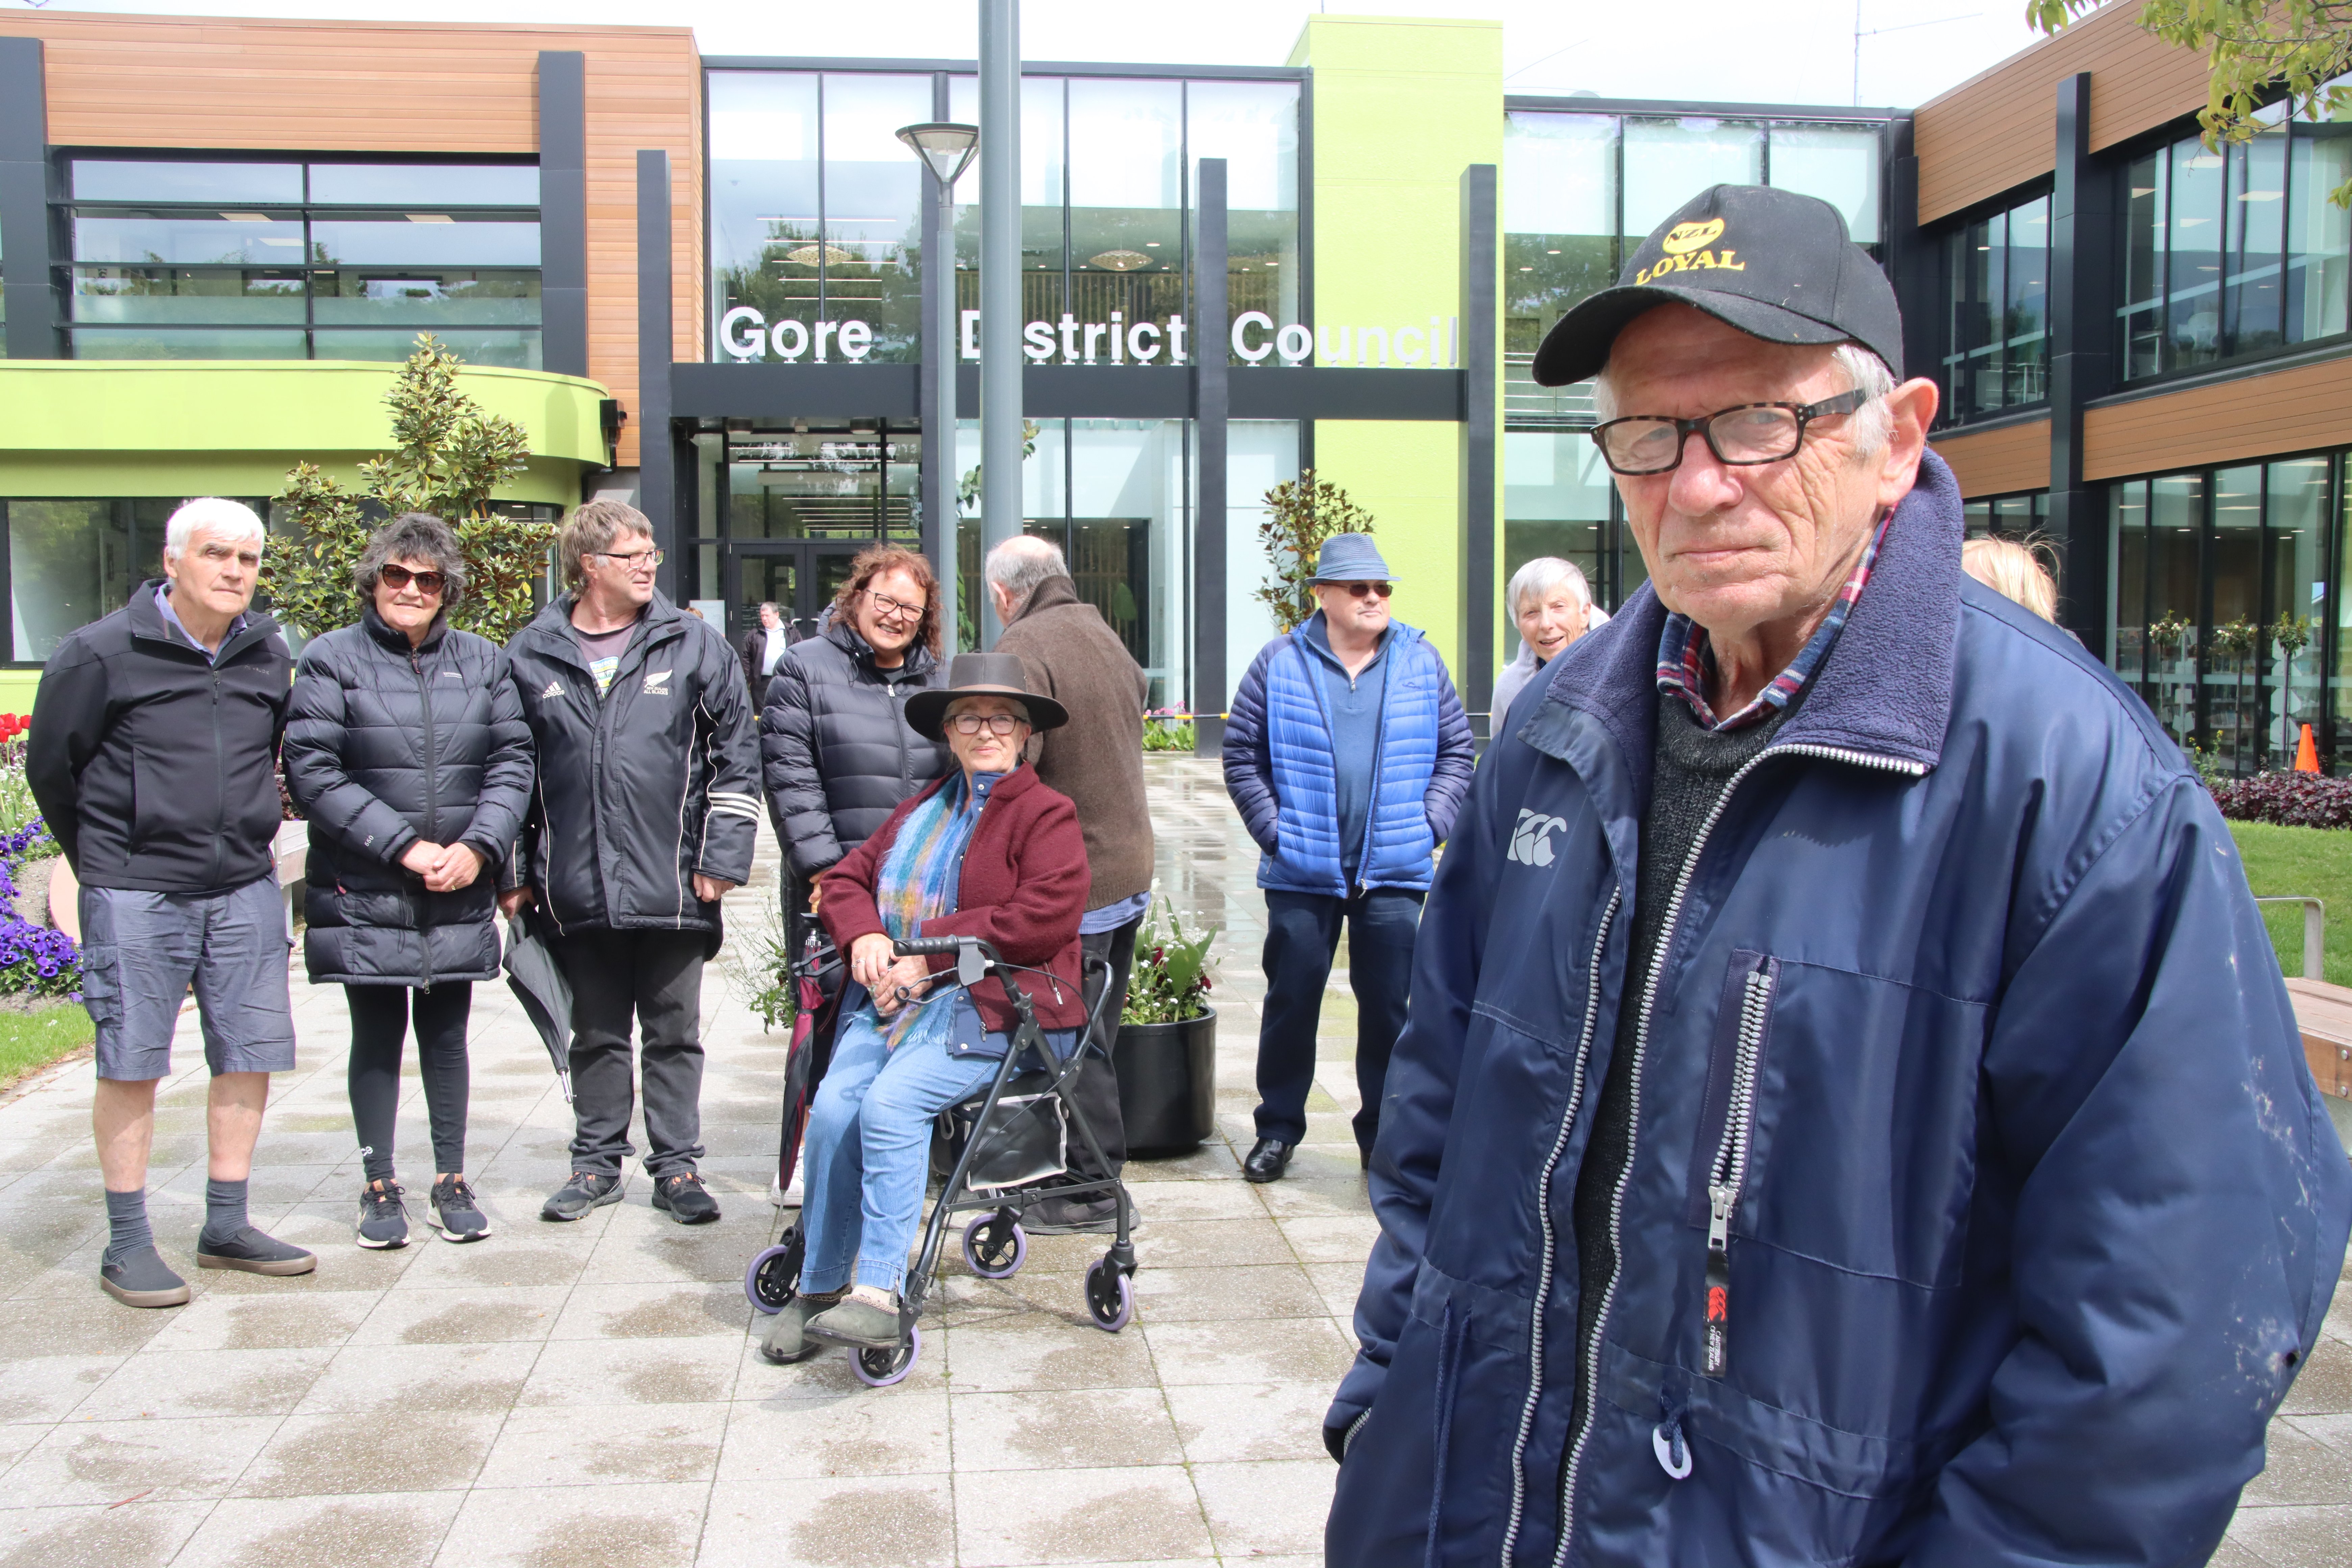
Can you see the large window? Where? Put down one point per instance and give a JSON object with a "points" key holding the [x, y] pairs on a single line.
{"points": [[816, 210], [186, 258], [70, 562], [1996, 312], [2221, 585], [2232, 252]]}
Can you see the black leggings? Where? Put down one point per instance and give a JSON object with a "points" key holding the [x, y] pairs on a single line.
{"points": [[380, 1018]]}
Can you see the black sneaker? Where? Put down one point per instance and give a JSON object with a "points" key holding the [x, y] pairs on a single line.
{"points": [[586, 1190], [454, 1213], [144, 1279], [383, 1217], [685, 1198], [252, 1251]]}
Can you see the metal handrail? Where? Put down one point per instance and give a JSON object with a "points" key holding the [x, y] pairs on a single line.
{"points": [[2314, 932]]}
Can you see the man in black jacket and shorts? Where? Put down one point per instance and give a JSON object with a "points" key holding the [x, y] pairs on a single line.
{"points": [[152, 759], [643, 815]]}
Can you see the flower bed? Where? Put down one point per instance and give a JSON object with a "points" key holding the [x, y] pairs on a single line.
{"points": [[2288, 799], [34, 961]]}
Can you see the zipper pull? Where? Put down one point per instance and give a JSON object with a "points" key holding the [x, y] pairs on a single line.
{"points": [[1720, 1196]]}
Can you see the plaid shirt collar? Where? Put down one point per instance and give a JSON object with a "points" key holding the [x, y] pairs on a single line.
{"points": [[1687, 662]]}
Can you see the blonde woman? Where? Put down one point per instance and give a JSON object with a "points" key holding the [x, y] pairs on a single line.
{"points": [[2019, 570]]}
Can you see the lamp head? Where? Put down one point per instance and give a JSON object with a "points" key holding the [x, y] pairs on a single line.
{"points": [[945, 146]]}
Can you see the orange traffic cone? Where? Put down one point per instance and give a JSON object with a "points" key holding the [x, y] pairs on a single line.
{"points": [[2306, 754]]}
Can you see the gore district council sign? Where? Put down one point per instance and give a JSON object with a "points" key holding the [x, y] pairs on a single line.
{"points": [[746, 335]]}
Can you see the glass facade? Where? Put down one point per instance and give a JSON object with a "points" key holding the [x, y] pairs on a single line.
{"points": [[2220, 584], [816, 210], [2234, 252], [72, 561], [2017, 517], [1580, 192], [196, 259], [1996, 313]]}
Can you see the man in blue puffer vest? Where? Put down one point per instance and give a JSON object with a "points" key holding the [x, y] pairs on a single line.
{"points": [[1850, 1112], [1347, 753]]}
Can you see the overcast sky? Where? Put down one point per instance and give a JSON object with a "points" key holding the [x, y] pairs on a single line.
{"points": [[1774, 51]]}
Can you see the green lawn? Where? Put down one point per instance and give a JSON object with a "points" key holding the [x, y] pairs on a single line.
{"points": [[2316, 862], [29, 1040]]}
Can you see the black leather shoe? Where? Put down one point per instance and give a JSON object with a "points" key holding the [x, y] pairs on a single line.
{"points": [[1268, 1158]]}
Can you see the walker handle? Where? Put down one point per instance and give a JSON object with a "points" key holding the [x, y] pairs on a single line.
{"points": [[974, 957], [928, 946]]}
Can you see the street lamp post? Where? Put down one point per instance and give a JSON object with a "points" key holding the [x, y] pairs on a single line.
{"points": [[1001, 361], [946, 149]]}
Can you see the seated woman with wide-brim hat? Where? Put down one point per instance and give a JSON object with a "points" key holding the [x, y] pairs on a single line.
{"points": [[987, 851]]}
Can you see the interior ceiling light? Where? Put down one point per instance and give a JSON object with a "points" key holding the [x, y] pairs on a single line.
{"points": [[1119, 260], [246, 217], [1150, 244], [808, 255]]}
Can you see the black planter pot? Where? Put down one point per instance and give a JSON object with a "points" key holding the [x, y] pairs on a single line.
{"points": [[1168, 1084]]}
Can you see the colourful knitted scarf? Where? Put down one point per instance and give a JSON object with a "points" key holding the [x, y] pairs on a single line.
{"points": [[917, 882]]}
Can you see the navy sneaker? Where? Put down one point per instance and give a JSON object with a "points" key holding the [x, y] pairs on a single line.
{"points": [[684, 1199], [456, 1212], [586, 1190], [144, 1279], [252, 1251], [383, 1224]]}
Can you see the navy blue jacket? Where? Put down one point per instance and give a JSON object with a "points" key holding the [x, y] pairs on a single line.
{"points": [[1963, 1012], [1284, 780]]}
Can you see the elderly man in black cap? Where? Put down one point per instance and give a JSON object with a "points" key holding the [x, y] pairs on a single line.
{"points": [[1850, 1112], [1346, 754]]}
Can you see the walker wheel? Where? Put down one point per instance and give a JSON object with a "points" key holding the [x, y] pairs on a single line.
{"points": [[1111, 1296], [774, 1273], [880, 1369], [995, 1247]]}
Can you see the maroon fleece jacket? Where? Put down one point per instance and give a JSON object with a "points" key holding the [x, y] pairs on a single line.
{"points": [[1023, 887]]}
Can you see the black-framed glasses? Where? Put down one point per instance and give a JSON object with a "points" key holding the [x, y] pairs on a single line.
{"points": [[891, 609], [1740, 437], [635, 560], [397, 577], [994, 723]]}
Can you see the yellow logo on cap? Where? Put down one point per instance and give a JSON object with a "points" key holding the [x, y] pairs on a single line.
{"points": [[1685, 238]]}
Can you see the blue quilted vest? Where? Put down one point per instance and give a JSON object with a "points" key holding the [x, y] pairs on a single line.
{"points": [[1298, 736]]}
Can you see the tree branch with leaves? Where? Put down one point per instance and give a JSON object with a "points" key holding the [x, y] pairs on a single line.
{"points": [[2260, 52], [1300, 514]]}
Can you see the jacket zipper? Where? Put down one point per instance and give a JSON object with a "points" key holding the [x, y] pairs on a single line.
{"points": [[432, 809], [1543, 1216], [1664, 951], [220, 777], [1730, 1167]]}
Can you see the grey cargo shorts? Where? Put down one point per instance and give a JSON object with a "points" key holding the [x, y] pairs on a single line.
{"points": [[140, 952]]}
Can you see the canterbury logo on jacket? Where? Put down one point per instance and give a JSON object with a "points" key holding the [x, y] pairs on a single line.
{"points": [[642, 787], [1283, 778]]}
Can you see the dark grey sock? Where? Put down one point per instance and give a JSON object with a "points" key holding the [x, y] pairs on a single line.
{"points": [[224, 1210], [126, 1224]]}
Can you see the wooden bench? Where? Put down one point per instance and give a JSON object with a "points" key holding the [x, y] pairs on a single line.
{"points": [[2324, 1015]]}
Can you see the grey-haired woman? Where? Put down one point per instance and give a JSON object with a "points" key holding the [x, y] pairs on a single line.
{"points": [[1552, 607], [406, 747]]}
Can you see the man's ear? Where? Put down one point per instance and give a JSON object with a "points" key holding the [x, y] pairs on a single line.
{"points": [[1913, 407]]}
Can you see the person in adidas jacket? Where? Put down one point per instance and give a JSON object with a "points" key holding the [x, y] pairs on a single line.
{"points": [[1868, 1128], [643, 815]]}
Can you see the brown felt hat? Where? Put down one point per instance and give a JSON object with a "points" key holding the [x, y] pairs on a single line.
{"points": [[981, 675]]}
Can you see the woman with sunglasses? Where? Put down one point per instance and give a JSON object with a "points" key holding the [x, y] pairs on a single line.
{"points": [[406, 749]]}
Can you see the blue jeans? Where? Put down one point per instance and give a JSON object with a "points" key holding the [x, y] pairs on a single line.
{"points": [[867, 1151]]}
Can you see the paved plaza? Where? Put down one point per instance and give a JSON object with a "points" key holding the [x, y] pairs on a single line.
{"points": [[588, 1395]]}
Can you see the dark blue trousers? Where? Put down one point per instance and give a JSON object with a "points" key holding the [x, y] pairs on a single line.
{"points": [[1301, 936]]}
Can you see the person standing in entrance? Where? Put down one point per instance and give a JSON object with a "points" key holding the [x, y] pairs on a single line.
{"points": [[1346, 754], [152, 758], [1070, 654], [763, 645], [643, 817]]}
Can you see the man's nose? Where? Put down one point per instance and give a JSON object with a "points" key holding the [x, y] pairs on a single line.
{"points": [[1701, 482]]}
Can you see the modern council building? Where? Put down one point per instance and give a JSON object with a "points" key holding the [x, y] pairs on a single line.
{"points": [[702, 283]]}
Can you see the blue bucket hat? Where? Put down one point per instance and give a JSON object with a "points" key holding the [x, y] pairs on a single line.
{"points": [[1351, 558]]}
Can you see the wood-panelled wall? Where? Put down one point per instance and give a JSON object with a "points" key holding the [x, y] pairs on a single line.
{"points": [[2001, 461], [1999, 128], [393, 87], [2233, 421]]}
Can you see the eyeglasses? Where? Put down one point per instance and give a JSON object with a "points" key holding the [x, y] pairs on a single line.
{"points": [[634, 561], [1741, 436], [994, 723], [890, 609], [428, 582], [1361, 590]]}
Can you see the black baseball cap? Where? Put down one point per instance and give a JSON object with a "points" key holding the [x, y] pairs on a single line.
{"points": [[1774, 264]]}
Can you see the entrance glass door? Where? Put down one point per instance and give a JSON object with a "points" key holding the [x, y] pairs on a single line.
{"points": [[799, 577], [796, 506]]}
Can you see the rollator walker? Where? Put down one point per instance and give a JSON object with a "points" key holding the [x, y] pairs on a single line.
{"points": [[1000, 1137]]}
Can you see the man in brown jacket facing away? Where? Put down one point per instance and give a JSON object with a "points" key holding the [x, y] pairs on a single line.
{"points": [[1071, 654]]}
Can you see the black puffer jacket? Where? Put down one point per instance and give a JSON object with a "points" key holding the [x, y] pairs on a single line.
{"points": [[385, 745], [643, 787], [835, 749]]}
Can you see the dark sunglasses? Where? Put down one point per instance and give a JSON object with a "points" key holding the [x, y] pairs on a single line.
{"points": [[428, 582], [1358, 590]]}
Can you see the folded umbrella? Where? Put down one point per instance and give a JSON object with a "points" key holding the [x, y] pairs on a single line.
{"points": [[538, 983]]}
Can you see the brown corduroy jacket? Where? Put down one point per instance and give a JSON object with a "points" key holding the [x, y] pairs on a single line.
{"points": [[1070, 654]]}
